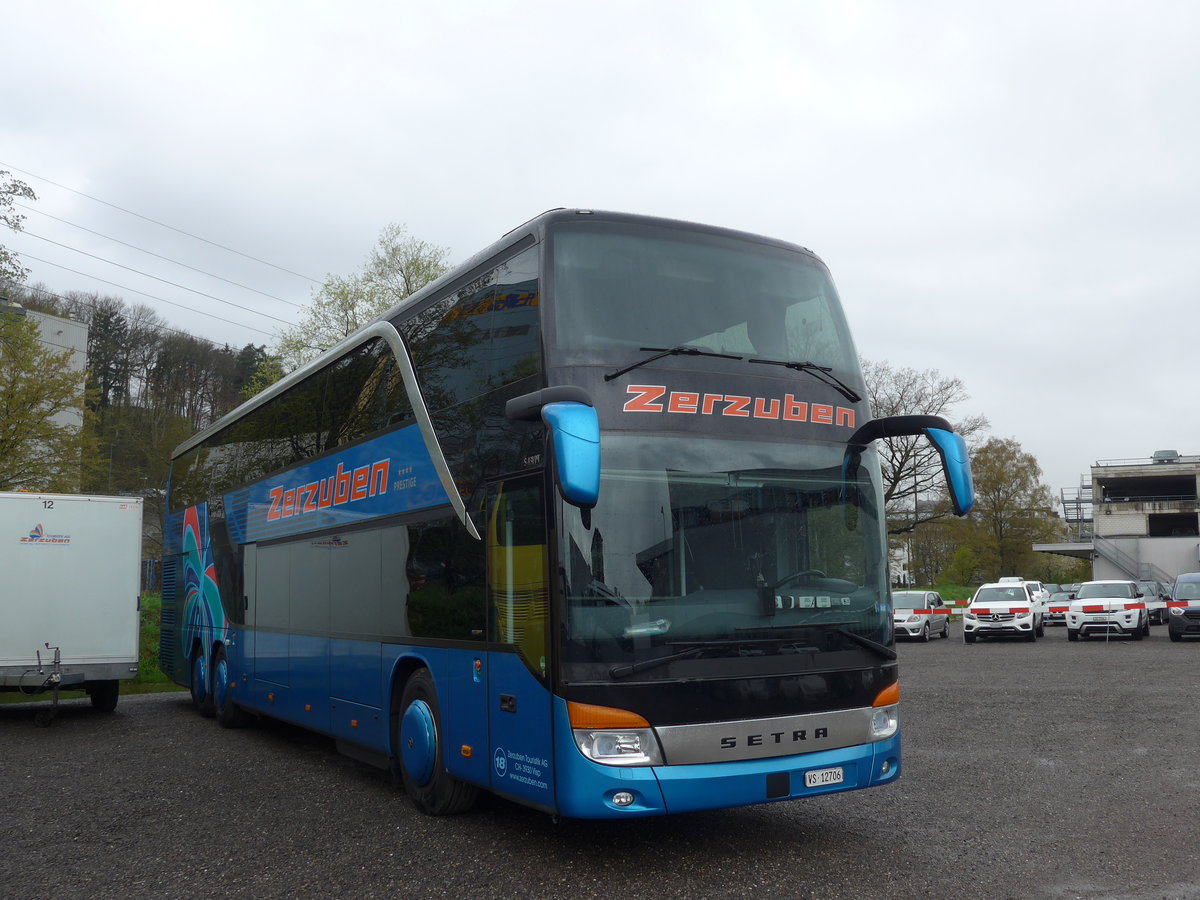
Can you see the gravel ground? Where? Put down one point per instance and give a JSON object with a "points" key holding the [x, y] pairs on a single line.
{"points": [[1031, 770]]}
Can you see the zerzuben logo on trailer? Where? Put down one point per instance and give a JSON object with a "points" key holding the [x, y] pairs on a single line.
{"points": [[37, 535], [653, 398], [342, 487]]}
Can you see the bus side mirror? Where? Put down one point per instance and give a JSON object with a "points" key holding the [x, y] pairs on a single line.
{"points": [[575, 437], [574, 430], [956, 466], [956, 462]]}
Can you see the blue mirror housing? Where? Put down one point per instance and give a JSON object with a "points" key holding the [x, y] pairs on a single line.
{"points": [[956, 464], [575, 438]]}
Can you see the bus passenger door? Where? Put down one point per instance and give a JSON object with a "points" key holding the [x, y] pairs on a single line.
{"points": [[519, 703]]}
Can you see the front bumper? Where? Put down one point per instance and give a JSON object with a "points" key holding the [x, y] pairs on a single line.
{"points": [[1112, 624], [998, 625], [1184, 622], [907, 629]]}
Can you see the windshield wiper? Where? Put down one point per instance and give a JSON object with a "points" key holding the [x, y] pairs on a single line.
{"points": [[660, 352], [630, 668], [882, 649], [821, 373]]}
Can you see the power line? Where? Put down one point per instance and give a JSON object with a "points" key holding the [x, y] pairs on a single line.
{"points": [[187, 334], [148, 275], [151, 296], [156, 255], [160, 224]]}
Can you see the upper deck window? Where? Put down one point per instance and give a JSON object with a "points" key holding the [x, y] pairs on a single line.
{"points": [[621, 288]]}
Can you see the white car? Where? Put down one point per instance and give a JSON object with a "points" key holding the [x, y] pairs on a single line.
{"points": [[1004, 609], [1036, 588], [920, 614], [1108, 608]]}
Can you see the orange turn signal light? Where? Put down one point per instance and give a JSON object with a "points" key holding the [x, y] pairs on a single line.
{"points": [[585, 715], [889, 696]]}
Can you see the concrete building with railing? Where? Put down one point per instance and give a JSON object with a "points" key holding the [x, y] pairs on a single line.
{"points": [[1136, 518]]}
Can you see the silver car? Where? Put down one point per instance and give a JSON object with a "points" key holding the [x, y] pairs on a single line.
{"points": [[919, 615]]}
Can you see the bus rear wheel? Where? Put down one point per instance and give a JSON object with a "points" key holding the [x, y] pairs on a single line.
{"points": [[418, 744], [201, 695]]}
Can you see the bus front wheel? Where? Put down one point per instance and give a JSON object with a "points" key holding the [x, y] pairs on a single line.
{"points": [[418, 744]]}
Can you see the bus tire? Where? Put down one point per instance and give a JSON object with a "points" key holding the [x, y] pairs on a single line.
{"points": [[104, 694], [229, 714], [418, 745], [201, 696]]}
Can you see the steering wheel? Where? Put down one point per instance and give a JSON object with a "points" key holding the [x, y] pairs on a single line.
{"points": [[786, 578]]}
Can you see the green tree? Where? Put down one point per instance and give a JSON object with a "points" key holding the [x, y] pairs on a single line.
{"points": [[398, 266], [10, 190], [1013, 509], [267, 369], [37, 386], [963, 568]]}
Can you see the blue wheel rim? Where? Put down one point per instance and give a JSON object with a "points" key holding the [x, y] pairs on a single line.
{"points": [[221, 683], [418, 741]]}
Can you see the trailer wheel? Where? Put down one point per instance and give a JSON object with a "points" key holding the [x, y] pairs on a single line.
{"points": [[229, 714], [201, 696], [418, 744], [104, 694]]}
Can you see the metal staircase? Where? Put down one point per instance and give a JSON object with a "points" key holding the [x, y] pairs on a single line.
{"points": [[1137, 571]]}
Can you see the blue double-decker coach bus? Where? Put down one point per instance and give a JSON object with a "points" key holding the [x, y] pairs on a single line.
{"points": [[592, 522]]}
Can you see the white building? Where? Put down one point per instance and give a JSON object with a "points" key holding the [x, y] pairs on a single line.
{"points": [[1137, 519]]}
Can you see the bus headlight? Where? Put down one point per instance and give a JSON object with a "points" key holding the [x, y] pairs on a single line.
{"points": [[884, 722], [614, 737], [620, 748]]}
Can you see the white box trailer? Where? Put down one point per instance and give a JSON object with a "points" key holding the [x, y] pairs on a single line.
{"points": [[69, 593]]}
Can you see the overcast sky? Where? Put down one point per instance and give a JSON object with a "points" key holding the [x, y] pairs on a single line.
{"points": [[1007, 193]]}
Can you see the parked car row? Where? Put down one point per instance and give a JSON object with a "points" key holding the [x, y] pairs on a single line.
{"points": [[1017, 607], [1103, 608]]}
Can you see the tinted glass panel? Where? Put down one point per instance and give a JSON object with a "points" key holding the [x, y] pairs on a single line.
{"points": [[445, 577], [482, 336], [349, 399], [617, 291], [710, 545]]}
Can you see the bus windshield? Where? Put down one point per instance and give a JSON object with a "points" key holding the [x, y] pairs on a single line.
{"points": [[735, 555], [619, 290]]}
